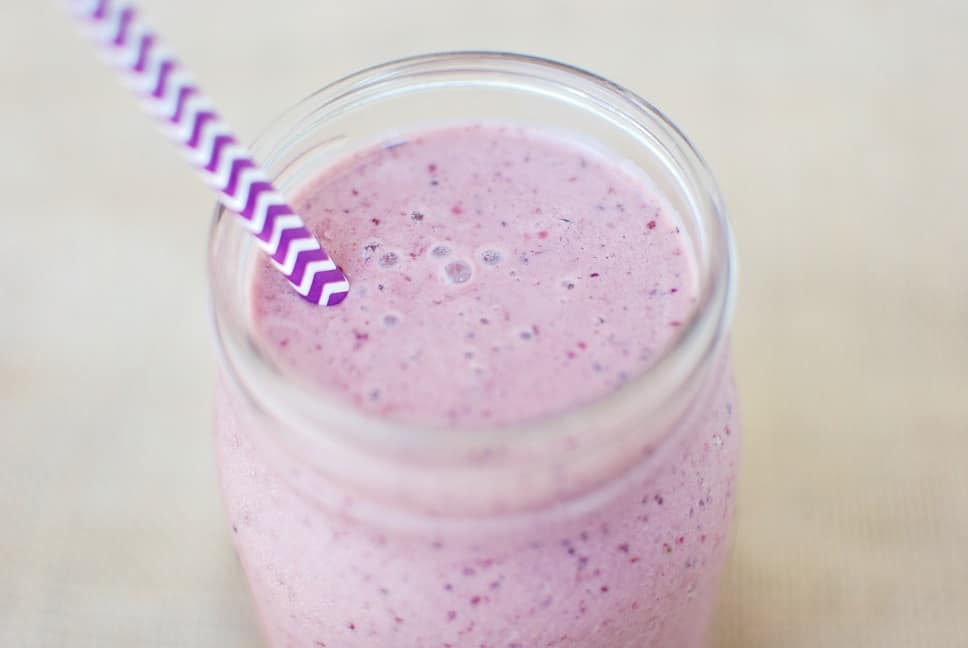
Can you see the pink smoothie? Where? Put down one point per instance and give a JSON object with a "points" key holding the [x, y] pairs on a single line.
{"points": [[499, 276]]}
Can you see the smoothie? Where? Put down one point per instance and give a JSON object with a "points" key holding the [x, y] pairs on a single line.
{"points": [[500, 276]]}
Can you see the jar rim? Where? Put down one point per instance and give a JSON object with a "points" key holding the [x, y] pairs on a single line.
{"points": [[699, 337]]}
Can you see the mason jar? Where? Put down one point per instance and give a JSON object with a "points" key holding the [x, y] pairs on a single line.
{"points": [[602, 526]]}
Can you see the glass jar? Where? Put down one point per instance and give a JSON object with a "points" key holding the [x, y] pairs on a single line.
{"points": [[601, 526]]}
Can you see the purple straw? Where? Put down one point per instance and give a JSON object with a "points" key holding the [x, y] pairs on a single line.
{"points": [[189, 118]]}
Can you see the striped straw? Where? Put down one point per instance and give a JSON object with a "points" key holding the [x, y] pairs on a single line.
{"points": [[189, 118]]}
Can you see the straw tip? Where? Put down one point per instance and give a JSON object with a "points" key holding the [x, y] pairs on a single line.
{"points": [[333, 292], [336, 298]]}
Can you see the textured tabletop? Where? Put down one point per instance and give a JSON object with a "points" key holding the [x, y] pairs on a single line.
{"points": [[839, 134]]}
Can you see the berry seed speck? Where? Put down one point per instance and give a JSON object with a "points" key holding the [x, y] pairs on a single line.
{"points": [[457, 272]]}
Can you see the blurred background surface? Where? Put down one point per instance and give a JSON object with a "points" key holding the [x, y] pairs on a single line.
{"points": [[838, 132]]}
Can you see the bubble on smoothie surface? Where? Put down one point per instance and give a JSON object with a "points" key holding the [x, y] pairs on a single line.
{"points": [[369, 249], [389, 259], [457, 272], [440, 251], [491, 257]]}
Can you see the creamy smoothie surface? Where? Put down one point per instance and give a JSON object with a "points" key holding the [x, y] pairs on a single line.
{"points": [[498, 275]]}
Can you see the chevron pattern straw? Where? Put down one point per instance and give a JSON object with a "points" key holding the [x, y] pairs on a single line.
{"points": [[189, 118]]}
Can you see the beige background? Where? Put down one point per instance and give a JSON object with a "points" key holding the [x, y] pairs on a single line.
{"points": [[839, 132]]}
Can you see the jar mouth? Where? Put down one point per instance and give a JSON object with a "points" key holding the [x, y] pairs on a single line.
{"points": [[310, 413]]}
